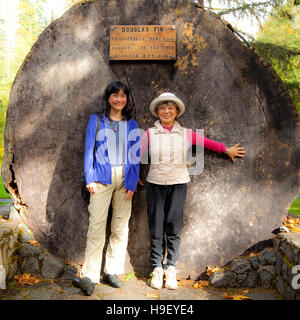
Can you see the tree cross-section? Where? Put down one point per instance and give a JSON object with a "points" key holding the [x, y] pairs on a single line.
{"points": [[228, 91]]}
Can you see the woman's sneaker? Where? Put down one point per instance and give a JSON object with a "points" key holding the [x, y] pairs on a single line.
{"points": [[171, 282], [157, 278]]}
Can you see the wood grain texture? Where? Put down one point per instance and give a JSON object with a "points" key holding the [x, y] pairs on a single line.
{"points": [[228, 91]]}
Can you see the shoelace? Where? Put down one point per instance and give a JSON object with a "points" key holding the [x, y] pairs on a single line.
{"points": [[157, 273]]}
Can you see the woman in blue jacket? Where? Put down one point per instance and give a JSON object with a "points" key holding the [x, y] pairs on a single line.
{"points": [[111, 177]]}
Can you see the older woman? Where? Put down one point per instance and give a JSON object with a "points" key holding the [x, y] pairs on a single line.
{"points": [[166, 182]]}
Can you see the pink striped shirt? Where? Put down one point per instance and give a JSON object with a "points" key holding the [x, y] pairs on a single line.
{"points": [[192, 137]]}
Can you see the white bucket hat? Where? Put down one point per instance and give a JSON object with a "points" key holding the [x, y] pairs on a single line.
{"points": [[167, 96]]}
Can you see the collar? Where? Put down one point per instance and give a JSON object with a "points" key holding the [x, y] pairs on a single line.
{"points": [[176, 127]]}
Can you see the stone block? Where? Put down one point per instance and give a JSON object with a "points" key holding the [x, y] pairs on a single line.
{"points": [[278, 262], [69, 273], [28, 250], [279, 285], [268, 268], [292, 254], [240, 265], [25, 233], [267, 257], [13, 213], [286, 272], [241, 278], [254, 262], [30, 265], [12, 268], [265, 278], [283, 284], [8, 246], [52, 267], [284, 247], [276, 242], [252, 279], [222, 279]]}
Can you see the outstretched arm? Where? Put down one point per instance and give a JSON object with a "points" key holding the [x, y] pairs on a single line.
{"points": [[196, 139]]}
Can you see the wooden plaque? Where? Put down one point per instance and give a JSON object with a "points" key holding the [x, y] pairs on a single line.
{"points": [[142, 42]]}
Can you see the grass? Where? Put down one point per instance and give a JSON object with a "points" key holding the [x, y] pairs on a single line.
{"points": [[295, 207], [3, 193]]}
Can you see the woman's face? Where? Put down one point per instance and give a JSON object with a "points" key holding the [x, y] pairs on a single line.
{"points": [[167, 113], [117, 101]]}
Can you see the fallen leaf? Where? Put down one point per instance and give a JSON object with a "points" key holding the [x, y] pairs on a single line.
{"points": [[252, 254], [185, 282], [290, 220], [289, 225], [200, 284], [203, 283], [235, 297], [26, 279], [296, 230], [33, 243], [210, 270], [60, 290]]}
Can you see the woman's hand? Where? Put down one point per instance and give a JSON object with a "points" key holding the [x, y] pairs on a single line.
{"points": [[140, 182], [235, 151], [92, 187], [129, 194]]}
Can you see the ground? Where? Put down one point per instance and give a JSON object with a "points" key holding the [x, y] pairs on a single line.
{"points": [[133, 289]]}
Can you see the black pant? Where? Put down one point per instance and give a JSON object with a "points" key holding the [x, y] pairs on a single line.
{"points": [[165, 208]]}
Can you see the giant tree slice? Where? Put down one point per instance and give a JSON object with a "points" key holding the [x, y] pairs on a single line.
{"points": [[228, 91]]}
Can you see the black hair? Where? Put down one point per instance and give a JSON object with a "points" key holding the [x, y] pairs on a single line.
{"points": [[115, 87]]}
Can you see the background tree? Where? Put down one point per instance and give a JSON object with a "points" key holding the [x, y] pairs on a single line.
{"points": [[278, 37], [31, 22], [32, 18], [279, 42], [3, 85], [235, 10]]}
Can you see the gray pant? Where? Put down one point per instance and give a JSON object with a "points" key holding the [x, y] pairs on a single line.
{"points": [[165, 209]]}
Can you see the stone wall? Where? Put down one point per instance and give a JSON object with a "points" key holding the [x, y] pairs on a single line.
{"points": [[270, 268], [21, 253], [287, 255], [249, 271], [8, 250], [267, 264]]}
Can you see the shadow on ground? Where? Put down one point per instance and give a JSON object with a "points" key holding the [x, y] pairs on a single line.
{"points": [[133, 289]]}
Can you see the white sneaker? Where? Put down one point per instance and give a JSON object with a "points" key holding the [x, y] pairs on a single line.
{"points": [[157, 278], [171, 282]]}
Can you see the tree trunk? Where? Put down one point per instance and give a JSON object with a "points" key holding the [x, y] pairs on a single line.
{"points": [[228, 91]]}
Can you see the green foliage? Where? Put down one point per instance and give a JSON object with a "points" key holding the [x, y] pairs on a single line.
{"points": [[295, 207], [31, 21], [279, 43], [129, 276], [30, 24], [3, 193], [244, 8]]}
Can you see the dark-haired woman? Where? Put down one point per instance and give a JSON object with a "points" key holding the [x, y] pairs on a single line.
{"points": [[111, 177]]}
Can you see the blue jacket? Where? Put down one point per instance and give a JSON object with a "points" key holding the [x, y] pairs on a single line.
{"points": [[100, 169]]}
